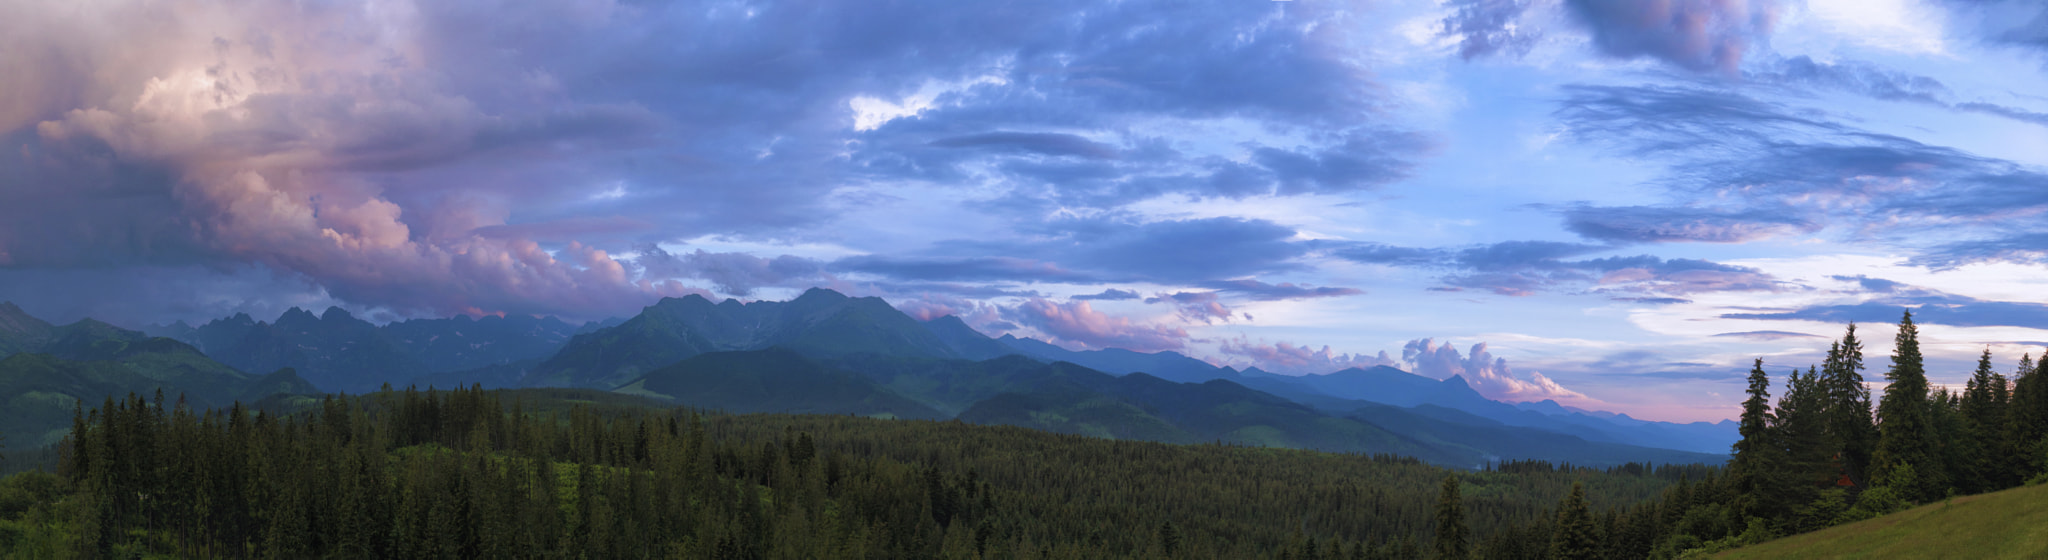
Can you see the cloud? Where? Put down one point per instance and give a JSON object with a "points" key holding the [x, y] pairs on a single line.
{"points": [[1111, 294], [1206, 307], [1488, 27], [1488, 375], [441, 157], [1380, 253], [1261, 291], [1767, 335], [1697, 35], [737, 274], [1884, 301], [1093, 251], [1767, 166], [1521, 268], [1646, 224], [1079, 324], [1043, 143], [1284, 357]]}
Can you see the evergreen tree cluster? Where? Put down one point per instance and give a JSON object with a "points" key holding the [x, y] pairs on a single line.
{"points": [[566, 473], [1819, 455]]}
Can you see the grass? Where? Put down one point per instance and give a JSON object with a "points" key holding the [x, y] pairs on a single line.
{"points": [[2006, 524]]}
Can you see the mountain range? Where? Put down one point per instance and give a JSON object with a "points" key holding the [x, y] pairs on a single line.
{"points": [[48, 371], [338, 352], [827, 353]]}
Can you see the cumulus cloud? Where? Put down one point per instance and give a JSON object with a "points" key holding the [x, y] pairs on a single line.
{"points": [[1079, 324], [435, 157], [1488, 375], [1285, 357], [1693, 34]]}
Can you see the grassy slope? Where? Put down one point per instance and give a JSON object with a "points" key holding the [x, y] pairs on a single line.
{"points": [[2006, 524]]}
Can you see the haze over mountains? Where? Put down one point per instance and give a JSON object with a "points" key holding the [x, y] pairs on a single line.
{"points": [[824, 352]]}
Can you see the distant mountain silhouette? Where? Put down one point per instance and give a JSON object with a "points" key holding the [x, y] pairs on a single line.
{"points": [[339, 352], [49, 372], [820, 323]]}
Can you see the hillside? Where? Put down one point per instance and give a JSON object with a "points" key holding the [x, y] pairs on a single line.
{"points": [[820, 323], [2006, 524]]}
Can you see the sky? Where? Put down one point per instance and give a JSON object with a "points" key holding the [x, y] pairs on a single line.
{"points": [[1616, 204]]}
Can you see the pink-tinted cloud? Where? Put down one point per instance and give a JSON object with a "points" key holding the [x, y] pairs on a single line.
{"points": [[258, 132], [1078, 323], [1695, 34], [1285, 357], [1487, 374]]}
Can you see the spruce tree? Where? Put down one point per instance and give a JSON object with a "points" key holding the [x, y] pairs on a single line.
{"points": [[1801, 428], [1576, 537], [1983, 412], [1453, 540], [1753, 470], [1851, 436], [2026, 420], [1905, 431]]}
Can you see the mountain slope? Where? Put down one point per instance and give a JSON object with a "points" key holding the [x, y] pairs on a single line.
{"points": [[2005, 524], [820, 323], [89, 361], [772, 380], [340, 352], [20, 332]]}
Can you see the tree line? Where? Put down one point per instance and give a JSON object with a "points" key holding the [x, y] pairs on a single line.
{"points": [[1822, 454], [564, 473]]}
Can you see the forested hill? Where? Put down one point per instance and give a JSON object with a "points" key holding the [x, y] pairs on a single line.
{"points": [[564, 472]]}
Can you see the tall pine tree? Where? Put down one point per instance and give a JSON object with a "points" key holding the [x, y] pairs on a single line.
{"points": [[1851, 436], [1905, 428], [1577, 537], [1802, 431], [1453, 541], [1983, 412], [2026, 421], [1759, 458]]}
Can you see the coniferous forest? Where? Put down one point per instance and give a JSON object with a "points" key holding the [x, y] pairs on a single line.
{"points": [[574, 473]]}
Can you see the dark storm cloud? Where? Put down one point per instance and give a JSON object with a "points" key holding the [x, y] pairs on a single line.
{"points": [[1487, 27], [1693, 34], [489, 156]]}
